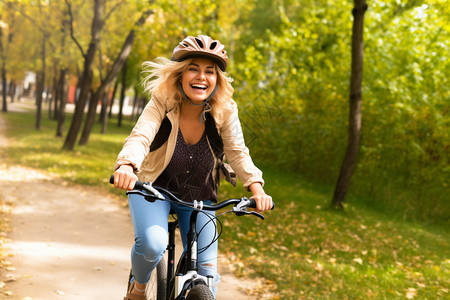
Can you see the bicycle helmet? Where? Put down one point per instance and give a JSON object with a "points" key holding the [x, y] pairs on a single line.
{"points": [[201, 46]]}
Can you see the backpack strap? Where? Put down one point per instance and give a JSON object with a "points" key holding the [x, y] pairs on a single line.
{"points": [[214, 138], [217, 146], [162, 135]]}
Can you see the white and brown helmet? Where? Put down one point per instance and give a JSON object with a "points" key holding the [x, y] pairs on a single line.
{"points": [[204, 47]]}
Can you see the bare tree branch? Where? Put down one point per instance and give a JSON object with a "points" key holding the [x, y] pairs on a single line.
{"points": [[100, 64], [112, 10], [69, 9]]}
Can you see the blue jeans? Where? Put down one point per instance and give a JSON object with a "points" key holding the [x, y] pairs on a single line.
{"points": [[151, 236]]}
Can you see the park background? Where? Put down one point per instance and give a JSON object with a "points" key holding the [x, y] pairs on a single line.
{"points": [[291, 64]]}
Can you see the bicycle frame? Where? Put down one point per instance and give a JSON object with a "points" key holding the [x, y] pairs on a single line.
{"points": [[187, 267]]}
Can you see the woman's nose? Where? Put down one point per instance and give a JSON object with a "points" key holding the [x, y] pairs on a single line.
{"points": [[201, 74]]}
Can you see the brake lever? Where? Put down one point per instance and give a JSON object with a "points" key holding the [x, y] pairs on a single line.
{"points": [[242, 212], [240, 209], [257, 214], [151, 193], [148, 197], [149, 188]]}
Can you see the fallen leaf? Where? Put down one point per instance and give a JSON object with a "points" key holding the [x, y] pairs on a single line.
{"points": [[319, 267], [411, 293], [358, 260], [421, 285]]}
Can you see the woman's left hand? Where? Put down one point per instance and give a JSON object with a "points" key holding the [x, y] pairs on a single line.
{"points": [[263, 201]]}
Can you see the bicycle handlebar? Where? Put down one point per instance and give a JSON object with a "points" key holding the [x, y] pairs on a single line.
{"points": [[152, 193]]}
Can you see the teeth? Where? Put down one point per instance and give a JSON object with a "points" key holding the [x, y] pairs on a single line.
{"points": [[199, 86]]}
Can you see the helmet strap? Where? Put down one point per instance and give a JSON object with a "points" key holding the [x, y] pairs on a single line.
{"points": [[205, 103]]}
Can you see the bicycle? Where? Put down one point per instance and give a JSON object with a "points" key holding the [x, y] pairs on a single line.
{"points": [[187, 284]]}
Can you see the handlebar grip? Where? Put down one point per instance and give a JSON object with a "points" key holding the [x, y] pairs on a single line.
{"points": [[137, 186], [253, 203]]}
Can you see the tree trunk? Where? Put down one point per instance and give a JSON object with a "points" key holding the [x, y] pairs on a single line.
{"points": [[122, 95], [112, 98], [40, 85], [12, 90], [56, 95], [135, 100], [104, 114], [118, 63], [40, 79], [3, 58], [61, 93], [53, 98], [62, 96], [4, 89], [354, 134], [104, 102], [86, 78]]}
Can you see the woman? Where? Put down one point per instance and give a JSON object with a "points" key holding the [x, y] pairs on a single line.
{"points": [[184, 88]]}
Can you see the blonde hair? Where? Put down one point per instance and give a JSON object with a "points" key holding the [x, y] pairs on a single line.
{"points": [[162, 80]]}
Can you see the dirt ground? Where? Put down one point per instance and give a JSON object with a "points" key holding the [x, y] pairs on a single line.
{"points": [[69, 242]]}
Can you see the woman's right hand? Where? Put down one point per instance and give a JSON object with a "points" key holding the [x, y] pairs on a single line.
{"points": [[124, 178]]}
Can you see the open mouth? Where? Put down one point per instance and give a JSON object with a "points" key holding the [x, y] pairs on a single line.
{"points": [[199, 86]]}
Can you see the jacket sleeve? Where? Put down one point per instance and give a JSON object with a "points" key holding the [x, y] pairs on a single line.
{"points": [[137, 144], [236, 151]]}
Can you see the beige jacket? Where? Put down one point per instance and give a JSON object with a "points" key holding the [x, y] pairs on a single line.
{"points": [[149, 165]]}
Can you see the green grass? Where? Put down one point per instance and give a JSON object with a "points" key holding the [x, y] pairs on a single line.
{"points": [[313, 252], [90, 165], [303, 249]]}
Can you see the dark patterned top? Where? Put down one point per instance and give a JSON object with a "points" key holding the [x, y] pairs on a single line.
{"points": [[189, 173]]}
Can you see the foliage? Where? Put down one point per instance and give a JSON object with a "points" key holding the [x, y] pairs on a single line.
{"points": [[406, 134], [282, 79], [293, 94]]}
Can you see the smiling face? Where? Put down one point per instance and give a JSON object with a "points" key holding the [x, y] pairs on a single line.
{"points": [[199, 79]]}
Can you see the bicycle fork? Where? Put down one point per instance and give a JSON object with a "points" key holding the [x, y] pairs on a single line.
{"points": [[188, 267]]}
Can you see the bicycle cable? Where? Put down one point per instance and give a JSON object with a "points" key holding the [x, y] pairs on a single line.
{"points": [[218, 229]]}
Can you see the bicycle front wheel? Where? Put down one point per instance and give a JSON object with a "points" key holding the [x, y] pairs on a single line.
{"points": [[200, 292], [156, 287]]}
